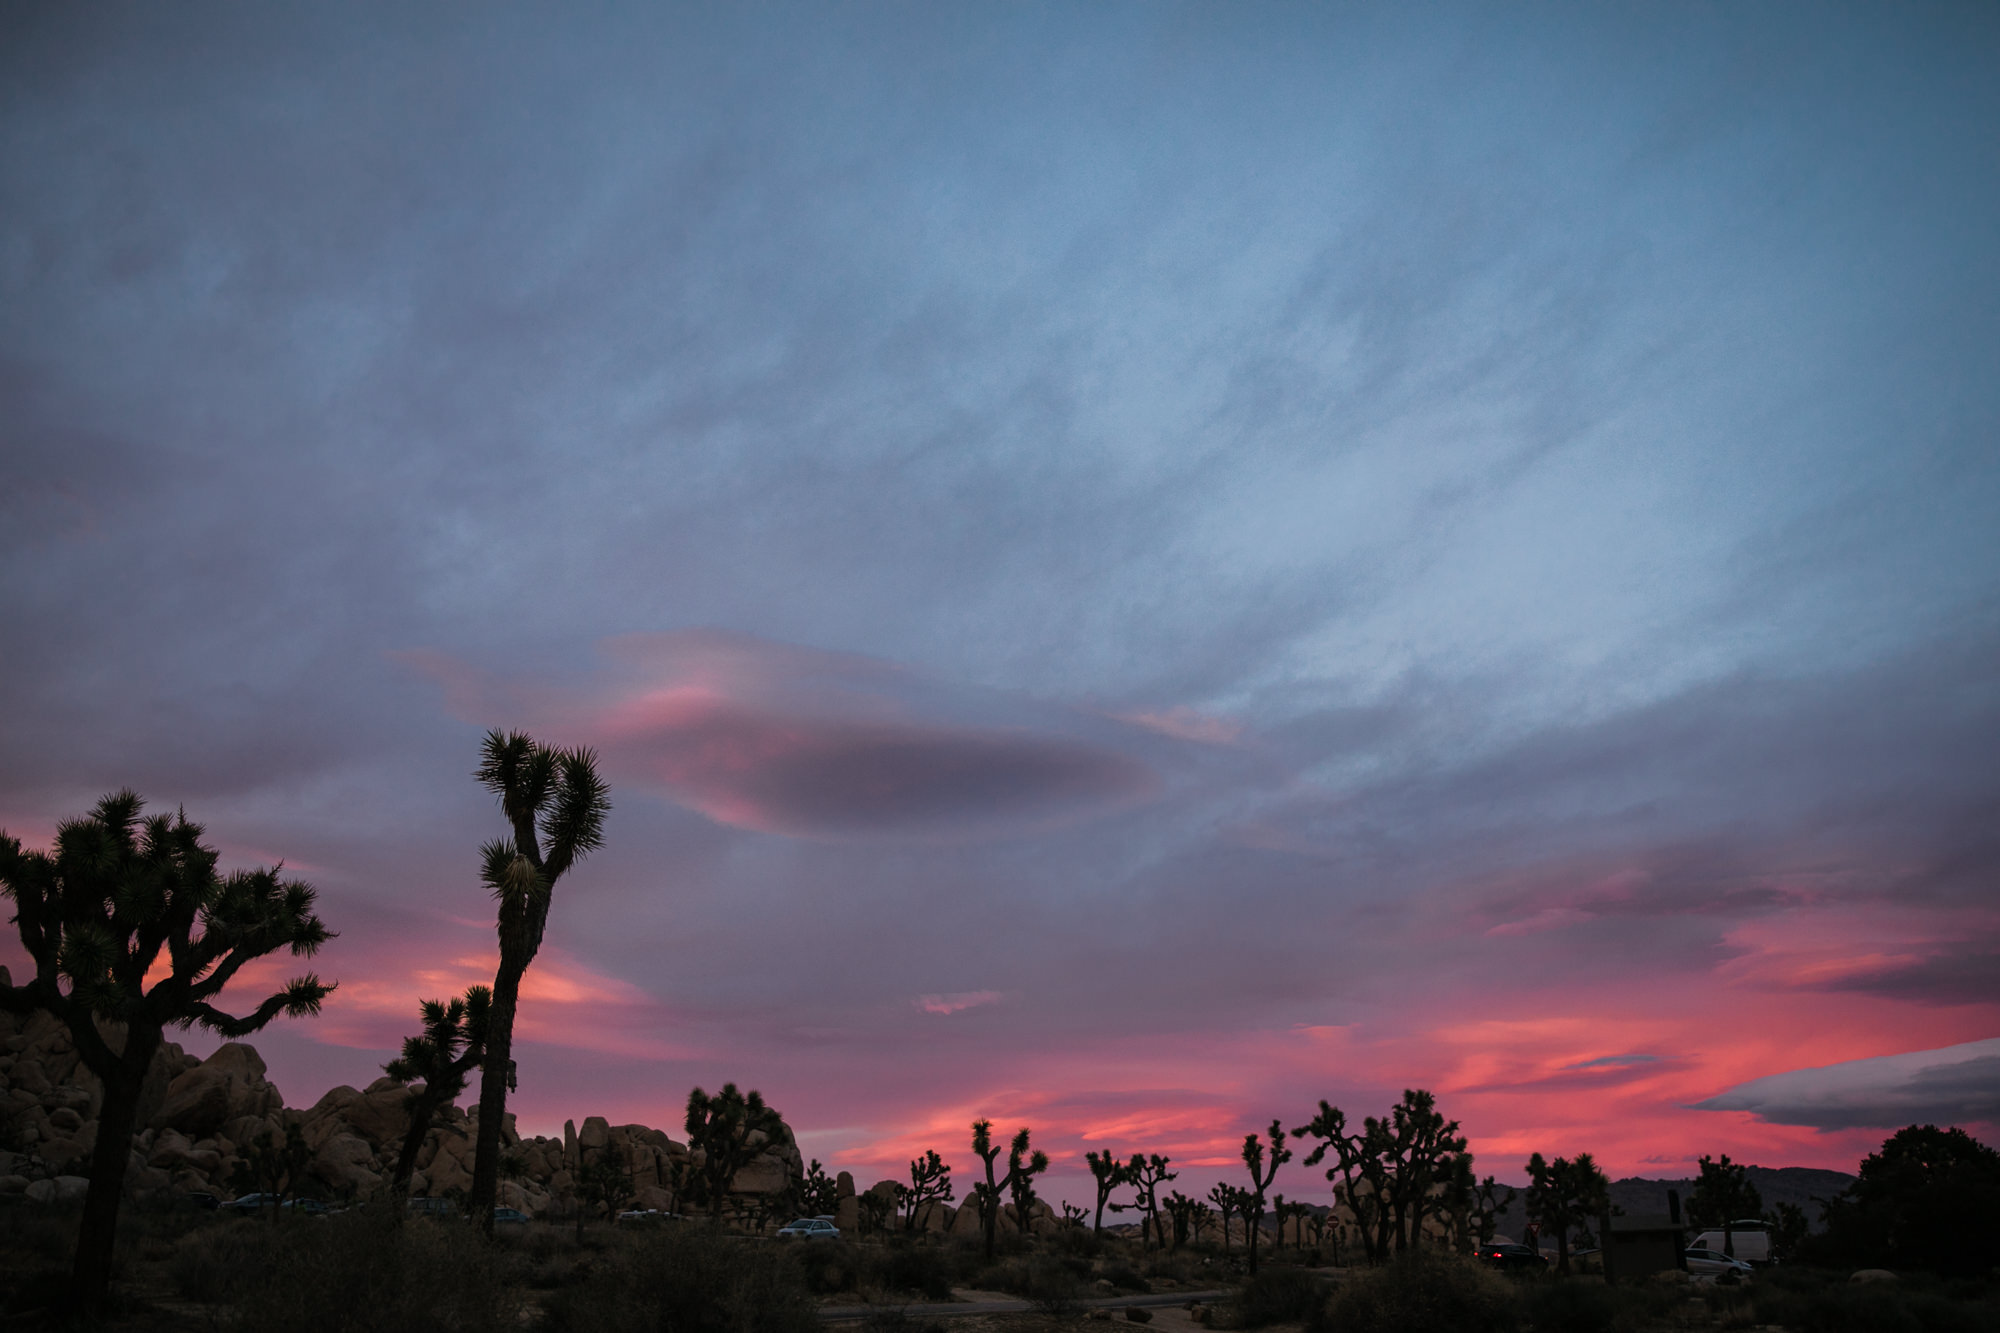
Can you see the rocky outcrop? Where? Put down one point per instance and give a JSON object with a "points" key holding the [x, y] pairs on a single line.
{"points": [[203, 1119]]}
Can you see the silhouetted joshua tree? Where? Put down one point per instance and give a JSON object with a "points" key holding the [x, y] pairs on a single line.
{"points": [[819, 1193], [1200, 1218], [274, 1163], [1022, 1166], [1563, 1195], [449, 1048], [604, 1182], [728, 1130], [930, 1180], [1181, 1212], [1722, 1195], [1353, 1167], [1147, 1174], [1263, 1166], [1110, 1174], [130, 929], [555, 805], [1228, 1201]]}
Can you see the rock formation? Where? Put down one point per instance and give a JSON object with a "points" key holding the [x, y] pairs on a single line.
{"points": [[200, 1118]]}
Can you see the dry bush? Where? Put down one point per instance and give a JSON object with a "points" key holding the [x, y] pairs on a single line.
{"points": [[688, 1280], [1423, 1291]]}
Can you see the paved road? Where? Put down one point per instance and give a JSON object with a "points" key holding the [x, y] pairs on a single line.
{"points": [[943, 1310]]}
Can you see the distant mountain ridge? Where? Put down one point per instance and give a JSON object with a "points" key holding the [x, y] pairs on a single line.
{"points": [[1805, 1186]]}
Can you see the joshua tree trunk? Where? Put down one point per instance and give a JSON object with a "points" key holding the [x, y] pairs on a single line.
{"points": [[116, 1119], [494, 1076]]}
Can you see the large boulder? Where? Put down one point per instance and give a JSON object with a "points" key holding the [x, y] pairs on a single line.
{"points": [[347, 1164], [227, 1085]]}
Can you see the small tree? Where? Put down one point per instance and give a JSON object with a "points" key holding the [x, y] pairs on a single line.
{"points": [[1484, 1216], [1263, 1167], [1022, 1165], [728, 1130], [1073, 1217], [930, 1181], [1181, 1212], [555, 805], [1723, 1195], [1228, 1201], [438, 1059], [1110, 1174], [605, 1182], [1148, 1173], [1564, 1195], [275, 1163], [1200, 1219], [819, 1193], [131, 930]]}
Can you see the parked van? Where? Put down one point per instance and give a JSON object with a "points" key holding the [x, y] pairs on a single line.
{"points": [[1751, 1239]]}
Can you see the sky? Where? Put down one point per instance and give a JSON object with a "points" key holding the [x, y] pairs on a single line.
{"points": [[1130, 567]]}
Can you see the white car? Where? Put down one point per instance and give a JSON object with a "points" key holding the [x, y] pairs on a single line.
{"points": [[811, 1228], [1715, 1263]]}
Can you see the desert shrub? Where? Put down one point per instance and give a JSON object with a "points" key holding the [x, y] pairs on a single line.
{"points": [[825, 1266], [1571, 1307], [219, 1263], [1423, 1291], [902, 1266], [689, 1280], [1052, 1284], [1123, 1276], [1275, 1296], [362, 1273], [1806, 1302]]}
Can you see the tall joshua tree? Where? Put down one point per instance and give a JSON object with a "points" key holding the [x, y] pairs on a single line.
{"points": [[450, 1047], [1022, 1166], [1263, 1170], [95, 917], [1110, 1174], [1228, 1201], [555, 805]]}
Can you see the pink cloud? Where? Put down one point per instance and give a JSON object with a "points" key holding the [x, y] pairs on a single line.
{"points": [[778, 739]]}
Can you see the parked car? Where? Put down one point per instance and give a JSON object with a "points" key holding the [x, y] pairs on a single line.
{"points": [[250, 1203], [197, 1201], [1715, 1263], [426, 1207], [810, 1228], [1510, 1257], [310, 1207], [648, 1216], [1749, 1240], [509, 1217]]}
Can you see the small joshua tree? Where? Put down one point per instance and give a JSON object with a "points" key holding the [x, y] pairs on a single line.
{"points": [[1181, 1212], [1228, 1201], [605, 1183], [1022, 1165], [449, 1048], [1146, 1175], [1263, 1170], [1723, 1194], [819, 1193], [930, 1181], [1110, 1174], [728, 1130], [275, 1163], [1200, 1218], [130, 931], [1564, 1195]]}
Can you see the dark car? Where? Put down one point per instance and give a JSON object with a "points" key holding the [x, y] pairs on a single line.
{"points": [[250, 1203], [509, 1217], [1508, 1257]]}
